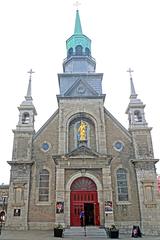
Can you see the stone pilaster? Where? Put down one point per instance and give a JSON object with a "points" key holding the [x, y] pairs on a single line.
{"points": [[147, 189], [60, 194], [19, 193], [107, 196]]}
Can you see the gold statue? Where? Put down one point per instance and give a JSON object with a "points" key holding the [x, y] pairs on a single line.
{"points": [[82, 130]]}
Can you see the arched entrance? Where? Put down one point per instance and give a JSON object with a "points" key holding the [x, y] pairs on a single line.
{"points": [[84, 197]]}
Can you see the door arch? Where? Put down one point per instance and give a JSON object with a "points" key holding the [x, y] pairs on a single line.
{"points": [[84, 197]]}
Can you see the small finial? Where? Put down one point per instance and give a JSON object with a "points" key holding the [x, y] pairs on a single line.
{"points": [[130, 72], [77, 4], [30, 72]]}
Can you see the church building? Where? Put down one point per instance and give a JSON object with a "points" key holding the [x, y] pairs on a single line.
{"points": [[82, 158]]}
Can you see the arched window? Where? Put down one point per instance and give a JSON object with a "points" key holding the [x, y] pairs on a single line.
{"points": [[83, 184], [44, 185], [137, 116], [25, 118], [87, 51], [122, 184], [70, 52], [78, 50]]}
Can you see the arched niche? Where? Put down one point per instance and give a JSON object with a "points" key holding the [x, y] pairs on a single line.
{"points": [[73, 127]]}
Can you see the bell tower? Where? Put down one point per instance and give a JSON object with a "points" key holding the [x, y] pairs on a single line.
{"points": [[27, 110], [143, 162], [138, 125], [17, 212], [135, 110]]}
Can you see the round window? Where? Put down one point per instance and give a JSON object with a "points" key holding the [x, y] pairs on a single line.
{"points": [[45, 146], [118, 146]]}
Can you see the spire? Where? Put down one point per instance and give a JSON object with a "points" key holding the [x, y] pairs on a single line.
{"points": [[78, 44], [133, 92], [135, 109], [28, 97], [27, 109], [77, 28]]}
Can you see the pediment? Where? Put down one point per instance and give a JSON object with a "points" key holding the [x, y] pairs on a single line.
{"points": [[80, 88], [83, 150]]}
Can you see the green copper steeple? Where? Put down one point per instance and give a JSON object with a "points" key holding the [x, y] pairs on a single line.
{"points": [[78, 44], [77, 28]]}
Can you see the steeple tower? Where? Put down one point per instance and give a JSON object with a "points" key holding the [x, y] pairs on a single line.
{"points": [[27, 110], [22, 161], [24, 127], [135, 108], [143, 157], [78, 83], [78, 51], [79, 78]]}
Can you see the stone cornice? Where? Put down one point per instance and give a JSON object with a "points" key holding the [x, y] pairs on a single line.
{"points": [[144, 160], [136, 128], [102, 96], [20, 162]]}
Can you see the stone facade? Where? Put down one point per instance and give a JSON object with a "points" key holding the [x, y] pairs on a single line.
{"points": [[47, 166]]}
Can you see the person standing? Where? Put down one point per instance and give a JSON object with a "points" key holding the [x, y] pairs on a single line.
{"points": [[82, 218]]}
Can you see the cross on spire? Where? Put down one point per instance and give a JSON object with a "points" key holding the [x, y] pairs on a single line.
{"points": [[77, 4], [30, 72], [130, 71]]}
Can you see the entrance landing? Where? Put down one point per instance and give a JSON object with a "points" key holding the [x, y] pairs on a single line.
{"points": [[88, 231]]}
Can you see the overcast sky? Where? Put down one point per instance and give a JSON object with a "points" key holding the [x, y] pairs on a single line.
{"points": [[124, 33]]}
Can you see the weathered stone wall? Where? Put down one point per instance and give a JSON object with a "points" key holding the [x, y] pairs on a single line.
{"points": [[93, 109], [124, 212], [42, 214]]}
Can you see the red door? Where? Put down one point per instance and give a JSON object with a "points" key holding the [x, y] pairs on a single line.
{"points": [[97, 218], [84, 197]]}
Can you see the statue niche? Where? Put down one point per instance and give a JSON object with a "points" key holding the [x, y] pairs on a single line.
{"points": [[81, 132]]}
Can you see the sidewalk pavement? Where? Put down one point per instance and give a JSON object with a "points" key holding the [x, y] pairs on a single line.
{"points": [[48, 235]]}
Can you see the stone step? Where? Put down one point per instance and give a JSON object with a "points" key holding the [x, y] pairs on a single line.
{"points": [[88, 231]]}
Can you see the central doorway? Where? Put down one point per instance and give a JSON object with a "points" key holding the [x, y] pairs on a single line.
{"points": [[89, 214], [84, 197]]}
